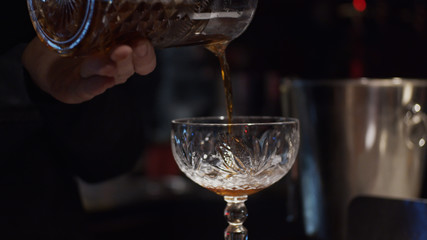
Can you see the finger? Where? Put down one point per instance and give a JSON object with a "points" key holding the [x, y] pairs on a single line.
{"points": [[90, 87], [73, 89], [98, 65], [122, 56], [144, 57]]}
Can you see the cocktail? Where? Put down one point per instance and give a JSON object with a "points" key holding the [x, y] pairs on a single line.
{"points": [[235, 159]]}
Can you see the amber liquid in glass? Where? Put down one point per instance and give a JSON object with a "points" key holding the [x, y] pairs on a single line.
{"points": [[236, 192]]}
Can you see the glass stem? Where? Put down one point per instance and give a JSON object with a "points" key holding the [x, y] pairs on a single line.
{"points": [[236, 213]]}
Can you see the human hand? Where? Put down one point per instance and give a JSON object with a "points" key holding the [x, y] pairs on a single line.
{"points": [[76, 80]]}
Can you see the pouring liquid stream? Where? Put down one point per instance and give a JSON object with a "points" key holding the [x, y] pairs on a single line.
{"points": [[218, 48]]}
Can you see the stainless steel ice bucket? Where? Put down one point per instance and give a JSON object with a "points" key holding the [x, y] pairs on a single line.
{"points": [[358, 137]]}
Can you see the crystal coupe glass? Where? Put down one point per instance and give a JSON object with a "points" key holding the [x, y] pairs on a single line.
{"points": [[235, 159]]}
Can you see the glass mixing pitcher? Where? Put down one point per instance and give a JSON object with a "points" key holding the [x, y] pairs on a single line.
{"points": [[81, 27]]}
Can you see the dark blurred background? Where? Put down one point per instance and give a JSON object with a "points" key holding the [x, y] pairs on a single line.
{"points": [[335, 38], [287, 38], [330, 39]]}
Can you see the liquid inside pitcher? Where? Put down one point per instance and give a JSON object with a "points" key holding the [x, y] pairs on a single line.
{"points": [[81, 27]]}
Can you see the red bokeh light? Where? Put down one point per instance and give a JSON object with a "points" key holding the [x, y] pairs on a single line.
{"points": [[359, 5]]}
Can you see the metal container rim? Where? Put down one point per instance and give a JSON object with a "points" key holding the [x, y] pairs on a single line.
{"points": [[363, 82]]}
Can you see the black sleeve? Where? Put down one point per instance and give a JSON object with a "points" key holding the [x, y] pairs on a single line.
{"points": [[19, 118], [98, 139], [95, 140]]}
